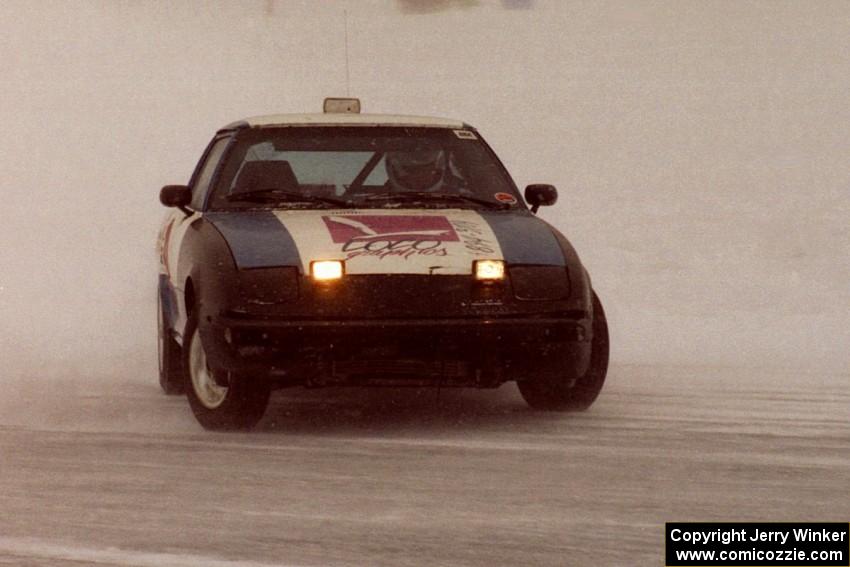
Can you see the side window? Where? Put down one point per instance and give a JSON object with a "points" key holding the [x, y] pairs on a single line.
{"points": [[205, 175]]}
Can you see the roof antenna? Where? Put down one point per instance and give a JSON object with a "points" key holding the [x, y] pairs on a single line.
{"points": [[347, 77]]}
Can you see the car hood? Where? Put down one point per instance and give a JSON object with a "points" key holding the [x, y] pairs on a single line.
{"points": [[381, 241]]}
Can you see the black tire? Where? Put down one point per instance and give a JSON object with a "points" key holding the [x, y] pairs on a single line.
{"points": [[554, 392], [238, 406], [170, 356]]}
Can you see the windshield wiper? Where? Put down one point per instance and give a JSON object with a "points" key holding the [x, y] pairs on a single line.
{"points": [[429, 196], [265, 195]]}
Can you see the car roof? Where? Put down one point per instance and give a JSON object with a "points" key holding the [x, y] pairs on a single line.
{"points": [[344, 119]]}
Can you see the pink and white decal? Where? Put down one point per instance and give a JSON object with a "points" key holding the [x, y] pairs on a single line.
{"points": [[393, 242]]}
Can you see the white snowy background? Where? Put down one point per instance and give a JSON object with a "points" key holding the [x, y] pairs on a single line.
{"points": [[700, 150]]}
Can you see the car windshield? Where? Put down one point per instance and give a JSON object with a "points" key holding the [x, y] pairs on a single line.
{"points": [[364, 167]]}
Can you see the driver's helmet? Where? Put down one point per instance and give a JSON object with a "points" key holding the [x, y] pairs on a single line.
{"points": [[416, 170]]}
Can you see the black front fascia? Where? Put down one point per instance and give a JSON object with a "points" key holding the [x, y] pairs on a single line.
{"points": [[380, 321], [404, 296]]}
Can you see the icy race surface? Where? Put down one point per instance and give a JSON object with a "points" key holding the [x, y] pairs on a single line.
{"points": [[96, 473]]}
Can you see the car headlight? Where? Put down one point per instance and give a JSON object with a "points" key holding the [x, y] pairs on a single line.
{"points": [[489, 270], [327, 270]]}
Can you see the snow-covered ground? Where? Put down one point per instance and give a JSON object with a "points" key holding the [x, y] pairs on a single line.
{"points": [[700, 150], [96, 473]]}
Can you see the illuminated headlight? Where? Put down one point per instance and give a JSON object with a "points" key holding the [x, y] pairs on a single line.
{"points": [[489, 270], [326, 270]]}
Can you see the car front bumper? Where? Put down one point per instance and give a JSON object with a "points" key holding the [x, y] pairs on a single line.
{"points": [[464, 351]]}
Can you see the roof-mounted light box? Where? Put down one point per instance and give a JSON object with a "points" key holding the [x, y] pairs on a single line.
{"points": [[342, 106]]}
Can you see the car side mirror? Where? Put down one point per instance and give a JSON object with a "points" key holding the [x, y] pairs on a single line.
{"points": [[175, 196], [540, 194]]}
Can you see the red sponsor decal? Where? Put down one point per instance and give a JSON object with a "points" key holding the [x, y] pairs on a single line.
{"points": [[344, 228], [505, 198]]}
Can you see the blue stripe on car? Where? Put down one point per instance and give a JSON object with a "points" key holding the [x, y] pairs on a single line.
{"points": [[169, 302], [256, 239], [524, 239]]}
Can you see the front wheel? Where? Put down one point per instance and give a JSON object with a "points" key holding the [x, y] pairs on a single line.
{"points": [[554, 392], [239, 404]]}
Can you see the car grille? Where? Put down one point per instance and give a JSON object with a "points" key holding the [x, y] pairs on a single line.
{"points": [[398, 368]]}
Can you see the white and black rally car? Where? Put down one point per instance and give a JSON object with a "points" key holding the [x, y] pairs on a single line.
{"points": [[351, 249]]}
